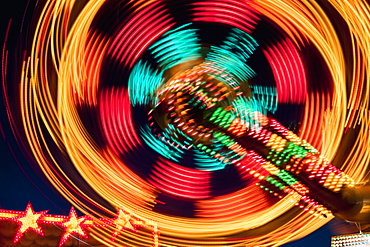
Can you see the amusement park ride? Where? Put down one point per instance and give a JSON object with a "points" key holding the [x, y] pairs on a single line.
{"points": [[195, 123]]}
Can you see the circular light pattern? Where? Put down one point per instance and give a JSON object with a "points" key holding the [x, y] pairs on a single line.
{"points": [[175, 111]]}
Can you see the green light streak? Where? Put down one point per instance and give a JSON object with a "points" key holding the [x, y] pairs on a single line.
{"points": [[142, 83], [275, 183], [233, 54], [205, 162], [283, 157], [176, 46], [246, 108], [159, 145], [286, 177], [267, 97]]}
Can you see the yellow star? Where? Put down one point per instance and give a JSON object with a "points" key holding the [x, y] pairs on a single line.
{"points": [[28, 222], [123, 221], [73, 225]]}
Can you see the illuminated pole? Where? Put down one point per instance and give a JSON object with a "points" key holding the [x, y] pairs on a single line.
{"points": [[205, 108]]}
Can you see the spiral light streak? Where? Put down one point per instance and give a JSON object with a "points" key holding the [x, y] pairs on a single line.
{"points": [[117, 122], [217, 123], [288, 68], [234, 13]]}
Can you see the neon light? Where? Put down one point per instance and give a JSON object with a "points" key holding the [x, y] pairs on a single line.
{"points": [[29, 221], [74, 225], [107, 83], [176, 46], [142, 84]]}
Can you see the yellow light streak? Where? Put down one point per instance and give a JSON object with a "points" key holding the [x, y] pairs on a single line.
{"points": [[57, 79]]}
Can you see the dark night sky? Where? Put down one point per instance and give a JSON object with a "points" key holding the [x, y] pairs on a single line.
{"points": [[19, 183]]}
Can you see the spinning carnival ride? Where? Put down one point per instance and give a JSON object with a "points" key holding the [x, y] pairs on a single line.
{"points": [[226, 122]]}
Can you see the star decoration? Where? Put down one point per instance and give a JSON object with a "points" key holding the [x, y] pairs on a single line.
{"points": [[73, 225], [28, 221], [123, 221]]}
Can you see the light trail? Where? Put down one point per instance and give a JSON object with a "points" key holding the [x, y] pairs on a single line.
{"points": [[155, 118]]}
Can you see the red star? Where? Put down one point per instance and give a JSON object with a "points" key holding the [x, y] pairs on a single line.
{"points": [[74, 225], [123, 221], [28, 221]]}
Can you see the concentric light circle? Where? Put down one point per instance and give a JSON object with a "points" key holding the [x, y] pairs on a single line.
{"points": [[173, 110]]}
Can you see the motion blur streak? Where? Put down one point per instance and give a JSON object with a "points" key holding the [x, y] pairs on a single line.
{"points": [[203, 116]]}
